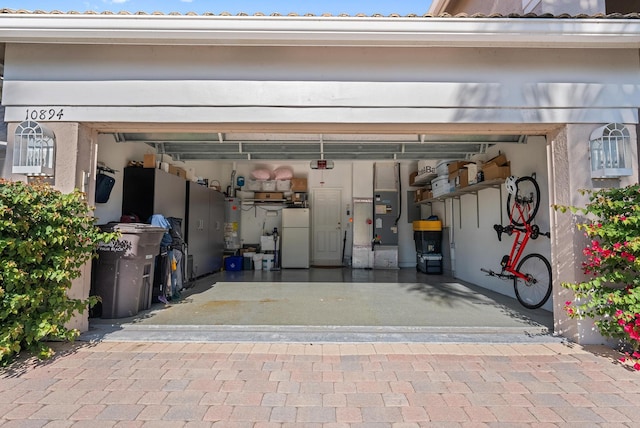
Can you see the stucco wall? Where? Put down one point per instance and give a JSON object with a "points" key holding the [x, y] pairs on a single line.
{"points": [[116, 156], [569, 157]]}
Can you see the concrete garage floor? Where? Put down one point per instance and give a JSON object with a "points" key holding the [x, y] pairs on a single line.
{"points": [[332, 305]]}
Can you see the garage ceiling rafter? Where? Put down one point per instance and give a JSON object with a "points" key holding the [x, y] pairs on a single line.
{"points": [[184, 146]]}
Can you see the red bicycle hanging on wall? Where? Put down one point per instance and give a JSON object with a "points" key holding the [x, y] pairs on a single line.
{"points": [[531, 274]]}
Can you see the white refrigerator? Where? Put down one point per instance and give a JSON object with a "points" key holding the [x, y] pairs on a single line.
{"points": [[295, 242]]}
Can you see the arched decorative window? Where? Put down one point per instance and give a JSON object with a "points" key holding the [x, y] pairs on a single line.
{"points": [[609, 147], [34, 150]]}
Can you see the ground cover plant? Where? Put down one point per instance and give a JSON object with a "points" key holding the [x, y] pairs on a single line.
{"points": [[45, 239]]}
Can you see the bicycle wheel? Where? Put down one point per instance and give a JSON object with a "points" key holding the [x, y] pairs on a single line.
{"points": [[536, 289], [527, 197]]}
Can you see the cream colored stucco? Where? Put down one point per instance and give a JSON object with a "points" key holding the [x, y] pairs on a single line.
{"points": [[571, 173]]}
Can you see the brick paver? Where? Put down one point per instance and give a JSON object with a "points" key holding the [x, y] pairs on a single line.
{"points": [[398, 385]]}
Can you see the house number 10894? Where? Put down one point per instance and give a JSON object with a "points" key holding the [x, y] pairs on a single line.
{"points": [[44, 114]]}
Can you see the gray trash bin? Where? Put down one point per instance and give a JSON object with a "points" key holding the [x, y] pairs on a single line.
{"points": [[123, 271]]}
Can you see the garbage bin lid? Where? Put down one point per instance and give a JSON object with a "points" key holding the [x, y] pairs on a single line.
{"points": [[131, 228]]}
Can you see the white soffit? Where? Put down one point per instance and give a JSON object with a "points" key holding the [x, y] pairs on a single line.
{"points": [[320, 31]]}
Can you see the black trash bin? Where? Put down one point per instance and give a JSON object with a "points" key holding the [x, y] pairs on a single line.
{"points": [[123, 271]]}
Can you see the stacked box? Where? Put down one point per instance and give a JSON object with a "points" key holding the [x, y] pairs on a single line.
{"points": [[459, 174], [493, 171], [456, 165], [442, 168], [472, 169], [427, 166], [459, 178], [298, 184], [269, 195], [412, 178], [440, 186], [149, 160], [423, 194], [496, 168]]}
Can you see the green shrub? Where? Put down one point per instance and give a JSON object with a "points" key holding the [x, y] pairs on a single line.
{"points": [[45, 238], [611, 294]]}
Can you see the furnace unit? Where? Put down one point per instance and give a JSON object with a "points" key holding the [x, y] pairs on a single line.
{"points": [[386, 212]]}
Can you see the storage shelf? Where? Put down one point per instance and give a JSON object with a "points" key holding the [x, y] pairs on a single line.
{"points": [[423, 179], [474, 188], [262, 201]]}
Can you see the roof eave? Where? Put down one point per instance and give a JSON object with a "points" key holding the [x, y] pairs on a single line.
{"points": [[320, 31]]}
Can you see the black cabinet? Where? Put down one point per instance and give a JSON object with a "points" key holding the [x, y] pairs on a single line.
{"points": [[148, 191]]}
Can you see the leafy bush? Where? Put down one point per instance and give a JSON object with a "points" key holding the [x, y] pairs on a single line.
{"points": [[45, 239], [611, 294]]}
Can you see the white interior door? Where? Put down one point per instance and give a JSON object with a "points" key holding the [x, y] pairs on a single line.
{"points": [[326, 228]]}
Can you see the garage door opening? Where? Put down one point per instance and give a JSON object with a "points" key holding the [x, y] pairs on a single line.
{"points": [[211, 159]]}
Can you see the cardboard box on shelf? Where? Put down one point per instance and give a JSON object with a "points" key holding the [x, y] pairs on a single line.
{"points": [[149, 160], [460, 178], [472, 169], [456, 165], [427, 166], [421, 194], [492, 171], [412, 178], [269, 195], [181, 172], [499, 160], [173, 169], [298, 184], [427, 195]]}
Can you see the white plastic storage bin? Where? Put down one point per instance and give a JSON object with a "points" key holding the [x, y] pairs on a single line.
{"points": [[257, 261], [243, 194], [440, 186], [442, 168], [283, 185], [267, 261], [269, 186], [253, 186]]}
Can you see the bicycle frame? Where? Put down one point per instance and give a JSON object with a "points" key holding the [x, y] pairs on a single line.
{"points": [[519, 244], [530, 273]]}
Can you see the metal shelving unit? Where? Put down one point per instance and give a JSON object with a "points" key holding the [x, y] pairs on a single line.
{"points": [[472, 189]]}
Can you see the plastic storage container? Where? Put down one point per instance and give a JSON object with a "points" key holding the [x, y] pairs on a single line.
{"points": [[428, 242], [247, 262], [430, 263], [283, 185], [267, 261], [430, 225], [269, 185], [233, 263], [257, 261], [440, 186], [123, 271]]}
